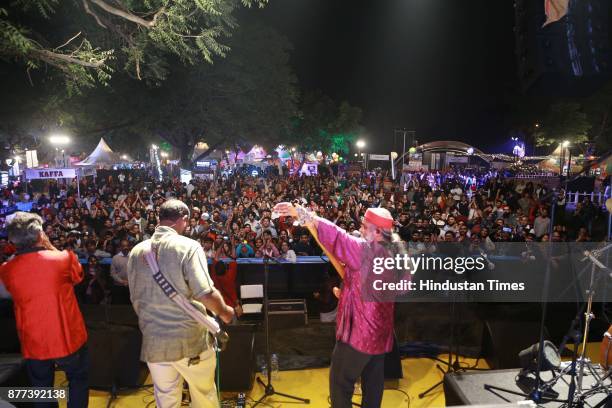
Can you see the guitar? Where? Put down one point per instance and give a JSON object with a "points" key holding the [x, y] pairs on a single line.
{"points": [[606, 350]]}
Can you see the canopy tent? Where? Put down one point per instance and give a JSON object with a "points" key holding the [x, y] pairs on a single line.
{"points": [[102, 155]]}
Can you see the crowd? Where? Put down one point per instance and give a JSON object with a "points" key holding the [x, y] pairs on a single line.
{"points": [[232, 216]]}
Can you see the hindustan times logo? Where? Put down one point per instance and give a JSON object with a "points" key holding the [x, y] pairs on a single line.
{"points": [[413, 264]]}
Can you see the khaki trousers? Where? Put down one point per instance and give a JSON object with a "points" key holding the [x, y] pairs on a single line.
{"points": [[168, 382]]}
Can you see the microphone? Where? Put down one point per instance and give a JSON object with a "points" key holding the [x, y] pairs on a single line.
{"points": [[597, 252], [589, 255]]}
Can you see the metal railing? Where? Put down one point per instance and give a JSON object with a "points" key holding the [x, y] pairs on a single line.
{"points": [[597, 198]]}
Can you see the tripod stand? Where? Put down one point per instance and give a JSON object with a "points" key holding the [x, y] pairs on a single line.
{"points": [[269, 388]]}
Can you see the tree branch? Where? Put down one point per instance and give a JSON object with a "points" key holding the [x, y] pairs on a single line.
{"points": [[49, 55], [127, 15], [67, 42], [90, 11]]}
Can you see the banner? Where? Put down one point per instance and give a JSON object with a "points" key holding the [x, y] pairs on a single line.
{"points": [[34, 174]]}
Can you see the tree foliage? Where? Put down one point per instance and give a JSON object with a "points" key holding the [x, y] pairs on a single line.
{"points": [[323, 125], [563, 121], [86, 41], [248, 96]]}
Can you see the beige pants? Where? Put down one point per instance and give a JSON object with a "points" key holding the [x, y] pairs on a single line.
{"points": [[168, 382]]}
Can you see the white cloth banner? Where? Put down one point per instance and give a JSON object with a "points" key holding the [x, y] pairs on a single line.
{"points": [[33, 174]]}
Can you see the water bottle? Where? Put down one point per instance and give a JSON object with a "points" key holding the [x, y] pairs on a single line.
{"points": [[274, 367], [264, 370], [357, 390]]}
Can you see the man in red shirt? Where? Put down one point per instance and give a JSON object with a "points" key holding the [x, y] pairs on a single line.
{"points": [[40, 280]]}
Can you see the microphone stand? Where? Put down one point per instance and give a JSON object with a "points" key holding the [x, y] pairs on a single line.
{"points": [[269, 388], [541, 391]]}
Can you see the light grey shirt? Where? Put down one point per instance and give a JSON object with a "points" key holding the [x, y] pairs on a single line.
{"points": [[168, 333], [118, 269]]}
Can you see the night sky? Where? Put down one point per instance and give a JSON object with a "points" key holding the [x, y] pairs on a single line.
{"points": [[439, 67]]}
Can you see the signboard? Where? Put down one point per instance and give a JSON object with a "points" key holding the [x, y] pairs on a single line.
{"points": [[456, 159], [34, 174], [31, 159], [381, 157]]}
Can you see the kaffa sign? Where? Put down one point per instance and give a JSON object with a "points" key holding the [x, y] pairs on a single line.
{"points": [[34, 174]]}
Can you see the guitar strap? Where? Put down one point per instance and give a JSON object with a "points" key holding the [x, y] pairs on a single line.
{"points": [[208, 322]]}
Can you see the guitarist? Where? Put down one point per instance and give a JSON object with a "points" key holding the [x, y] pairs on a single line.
{"points": [[364, 329], [172, 341]]}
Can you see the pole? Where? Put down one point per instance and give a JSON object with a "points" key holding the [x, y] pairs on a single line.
{"points": [[609, 210], [404, 148]]}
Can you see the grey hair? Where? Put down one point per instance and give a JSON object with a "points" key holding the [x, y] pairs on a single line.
{"points": [[172, 210], [24, 229]]}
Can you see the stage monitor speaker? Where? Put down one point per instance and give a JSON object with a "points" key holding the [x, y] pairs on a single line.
{"points": [[114, 352], [12, 371], [237, 361], [503, 340]]}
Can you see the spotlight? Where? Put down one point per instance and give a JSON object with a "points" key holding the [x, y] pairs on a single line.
{"points": [[528, 358], [550, 357]]}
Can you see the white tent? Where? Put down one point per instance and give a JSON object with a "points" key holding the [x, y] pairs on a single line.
{"points": [[102, 155]]}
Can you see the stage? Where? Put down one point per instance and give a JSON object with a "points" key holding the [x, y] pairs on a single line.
{"points": [[419, 374]]}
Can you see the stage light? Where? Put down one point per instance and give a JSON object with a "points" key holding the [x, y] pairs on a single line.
{"points": [[412, 150], [154, 147], [551, 359], [355, 154], [164, 155], [470, 150], [124, 157], [360, 144], [394, 155], [59, 139], [566, 143]]}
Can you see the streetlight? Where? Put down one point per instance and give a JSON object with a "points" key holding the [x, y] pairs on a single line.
{"points": [[59, 140], [360, 145]]}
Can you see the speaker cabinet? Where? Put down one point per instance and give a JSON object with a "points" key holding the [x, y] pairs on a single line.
{"points": [[237, 361], [115, 356]]}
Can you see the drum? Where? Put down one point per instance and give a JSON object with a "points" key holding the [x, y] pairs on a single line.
{"points": [[606, 350]]}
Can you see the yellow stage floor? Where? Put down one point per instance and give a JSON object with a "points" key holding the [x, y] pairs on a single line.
{"points": [[419, 374]]}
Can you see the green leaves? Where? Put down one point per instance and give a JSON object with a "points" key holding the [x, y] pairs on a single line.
{"points": [[564, 121], [139, 36]]}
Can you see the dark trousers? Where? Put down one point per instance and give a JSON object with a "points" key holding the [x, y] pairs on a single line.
{"points": [[347, 366], [76, 367]]}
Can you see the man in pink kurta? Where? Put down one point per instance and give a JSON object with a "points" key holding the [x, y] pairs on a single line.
{"points": [[365, 325], [364, 331]]}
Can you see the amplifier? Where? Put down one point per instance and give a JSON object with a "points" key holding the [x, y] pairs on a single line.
{"points": [[287, 313]]}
